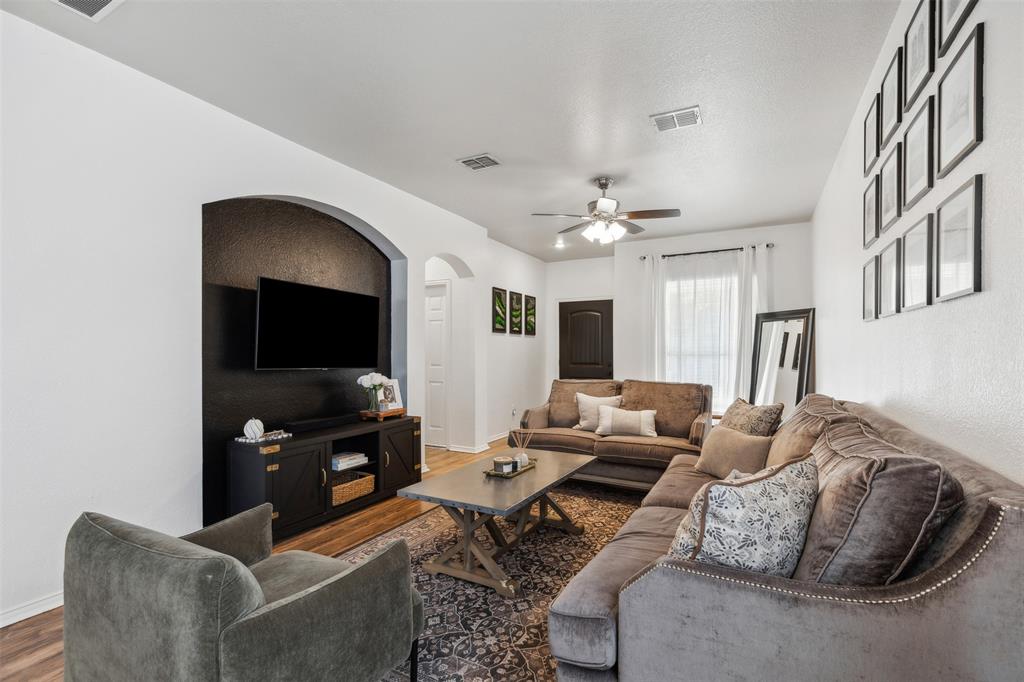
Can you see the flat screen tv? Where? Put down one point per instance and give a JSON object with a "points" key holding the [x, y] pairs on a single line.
{"points": [[299, 326]]}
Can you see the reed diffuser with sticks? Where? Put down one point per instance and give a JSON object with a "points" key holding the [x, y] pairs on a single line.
{"points": [[521, 437]]}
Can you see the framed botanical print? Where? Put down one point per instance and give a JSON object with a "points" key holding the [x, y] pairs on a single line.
{"points": [[958, 242], [918, 176], [891, 106], [952, 15], [499, 310], [530, 323], [889, 279], [889, 188], [960, 101], [918, 52], [916, 280], [870, 219], [515, 313], [871, 136], [869, 290]]}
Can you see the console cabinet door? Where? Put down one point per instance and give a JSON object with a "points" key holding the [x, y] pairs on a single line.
{"points": [[298, 484], [401, 458]]}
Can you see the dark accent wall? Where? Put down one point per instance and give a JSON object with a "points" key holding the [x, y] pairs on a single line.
{"points": [[242, 240]]}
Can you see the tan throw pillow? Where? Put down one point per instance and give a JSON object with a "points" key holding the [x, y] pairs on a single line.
{"points": [[757, 420], [588, 405], [726, 449], [613, 421], [756, 523], [801, 429]]}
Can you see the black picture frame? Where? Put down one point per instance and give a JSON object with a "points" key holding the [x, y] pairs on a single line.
{"points": [[894, 71], [499, 310], [805, 349], [911, 269], [530, 316], [869, 273], [949, 27], [924, 117], [869, 223], [974, 218], [920, 35], [515, 313], [893, 163], [889, 264], [976, 42], [871, 127]]}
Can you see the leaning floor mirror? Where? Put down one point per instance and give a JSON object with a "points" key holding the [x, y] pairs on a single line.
{"points": [[783, 361]]}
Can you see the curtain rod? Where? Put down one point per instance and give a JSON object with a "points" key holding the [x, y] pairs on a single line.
{"points": [[769, 245]]}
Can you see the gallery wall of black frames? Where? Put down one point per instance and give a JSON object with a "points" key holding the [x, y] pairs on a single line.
{"points": [[925, 119], [242, 240]]}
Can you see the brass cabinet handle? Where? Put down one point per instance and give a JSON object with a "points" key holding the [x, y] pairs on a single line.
{"points": [[323, 477], [387, 459]]}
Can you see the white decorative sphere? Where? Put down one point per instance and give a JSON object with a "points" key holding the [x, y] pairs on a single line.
{"points": [[253, 429]]}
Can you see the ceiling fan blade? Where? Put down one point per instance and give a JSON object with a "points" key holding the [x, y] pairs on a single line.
{"points": [[575, 227], [560, 215], [656, 213], [631, 228]]}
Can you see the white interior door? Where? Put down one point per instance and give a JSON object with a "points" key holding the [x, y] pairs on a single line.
{"points": [[438, 337]]}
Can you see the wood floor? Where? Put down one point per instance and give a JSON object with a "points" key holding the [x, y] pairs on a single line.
{"points": [[33, 649]]}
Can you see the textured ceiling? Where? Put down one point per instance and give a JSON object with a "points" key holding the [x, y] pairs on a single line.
{"points": [[559, 92]]}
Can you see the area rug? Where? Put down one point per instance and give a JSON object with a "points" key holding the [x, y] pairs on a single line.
{"points": [[474, 634]]}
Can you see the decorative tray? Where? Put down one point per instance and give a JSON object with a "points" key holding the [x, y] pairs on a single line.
{"points": [[511, 474]]}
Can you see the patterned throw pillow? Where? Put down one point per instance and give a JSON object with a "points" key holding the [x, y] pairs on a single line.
{"points": [[755, 523], [613, 421], [588, 405], [756, 420]]}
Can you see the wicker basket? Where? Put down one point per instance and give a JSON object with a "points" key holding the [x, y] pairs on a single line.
{"points": [[348, 485]]}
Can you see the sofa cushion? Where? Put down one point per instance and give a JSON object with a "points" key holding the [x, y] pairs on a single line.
{"points": [[678, 405], [754, 523], [583, 620], [613, 421], [560, 439], [282, 575], [562, 410], [677, 485], [656, 451], [756, 420], [797, 435], [725, 450], [878, 508], [588, 407]]}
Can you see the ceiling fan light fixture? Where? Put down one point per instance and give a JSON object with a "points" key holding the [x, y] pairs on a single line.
{"points": [[616, 231], [607, 237], [607, 205], [595, 230]]}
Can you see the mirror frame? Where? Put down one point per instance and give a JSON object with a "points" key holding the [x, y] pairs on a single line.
{"points": [[803, 382]]}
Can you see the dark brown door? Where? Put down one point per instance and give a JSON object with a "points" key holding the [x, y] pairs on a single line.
{"points": [[585, 340]]}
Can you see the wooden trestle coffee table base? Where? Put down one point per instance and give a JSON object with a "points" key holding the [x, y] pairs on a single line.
{"points": [[473, 500]]}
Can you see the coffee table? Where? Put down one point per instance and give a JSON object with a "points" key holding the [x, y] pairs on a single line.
{"points": [[473, 499]]}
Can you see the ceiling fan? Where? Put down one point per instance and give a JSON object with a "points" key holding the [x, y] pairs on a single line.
{"points": [[605, 224]]}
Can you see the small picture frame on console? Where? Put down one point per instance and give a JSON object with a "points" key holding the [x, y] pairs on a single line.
{"points": [[889, 279], [916, 281], [389, 396], [960, 102], [958, 242], [869, 290]]}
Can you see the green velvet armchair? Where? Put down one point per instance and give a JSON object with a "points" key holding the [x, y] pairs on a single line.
{"points": [[217, 605]]}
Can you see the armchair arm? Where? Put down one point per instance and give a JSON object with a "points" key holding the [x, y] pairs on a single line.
{"points": [[245, 536], [535, 417], [963, 619], [356, 625], [700, 428]]}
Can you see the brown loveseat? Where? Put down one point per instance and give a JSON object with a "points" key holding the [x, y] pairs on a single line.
{"points": [[683, 418], [954, 610]]}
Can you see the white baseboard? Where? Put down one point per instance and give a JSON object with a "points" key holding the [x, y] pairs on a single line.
{"points": [[498, 436], [31, 608], [470, 450]]}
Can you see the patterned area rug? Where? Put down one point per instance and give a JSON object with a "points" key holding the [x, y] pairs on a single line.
{"points": [[472, 633]]}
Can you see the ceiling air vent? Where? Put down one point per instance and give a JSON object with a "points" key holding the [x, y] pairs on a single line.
{"points": [[92, 9], [479, 161], [680, 118]]}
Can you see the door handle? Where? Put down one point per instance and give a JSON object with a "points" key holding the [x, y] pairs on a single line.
{"points": [[323, 478], [387, 459]]}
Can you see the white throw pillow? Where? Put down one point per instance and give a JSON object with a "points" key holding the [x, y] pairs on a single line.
{"points": [[588, 405], [613, 421], [756, 523]]}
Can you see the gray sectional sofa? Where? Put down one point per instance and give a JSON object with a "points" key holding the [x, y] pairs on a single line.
{"points": [[956, 611]]}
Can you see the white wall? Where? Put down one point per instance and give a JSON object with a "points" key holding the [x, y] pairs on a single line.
{"points": [[589, 279], [789, 272], [104, 174], [955, 370]]}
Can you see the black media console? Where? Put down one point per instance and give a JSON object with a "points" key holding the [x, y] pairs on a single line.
{"points": [[295, 474]]}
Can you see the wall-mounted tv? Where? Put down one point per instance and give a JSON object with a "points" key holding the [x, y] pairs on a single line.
{"points": [[299, 326]]}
